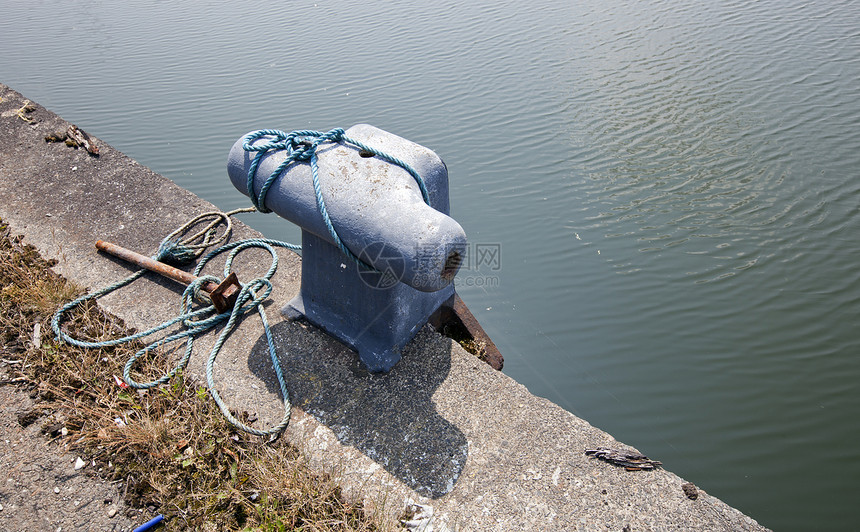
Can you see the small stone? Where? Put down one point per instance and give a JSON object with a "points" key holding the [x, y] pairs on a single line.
{"points": [[690, 491], [112, 512], [56, 490], [79, 464]]}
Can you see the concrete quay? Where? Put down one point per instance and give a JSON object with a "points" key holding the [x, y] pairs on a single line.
{"points": [[442, 429]]}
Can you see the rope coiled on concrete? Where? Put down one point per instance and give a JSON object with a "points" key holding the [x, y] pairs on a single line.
{"points": [[198, 322]]}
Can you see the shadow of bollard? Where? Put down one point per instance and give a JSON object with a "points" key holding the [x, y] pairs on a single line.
{"points": [[389, 417]]}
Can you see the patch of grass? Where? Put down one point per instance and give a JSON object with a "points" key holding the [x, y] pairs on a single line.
{"points": [[170, 446]]}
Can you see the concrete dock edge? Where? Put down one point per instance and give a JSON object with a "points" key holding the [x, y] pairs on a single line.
{"points": [[441, 429]]}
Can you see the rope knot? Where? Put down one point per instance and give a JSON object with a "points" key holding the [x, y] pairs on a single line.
{"points": [[300, 146], [175, 252]]}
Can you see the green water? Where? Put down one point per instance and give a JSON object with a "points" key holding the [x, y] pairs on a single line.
{"points": [[673, 188]]}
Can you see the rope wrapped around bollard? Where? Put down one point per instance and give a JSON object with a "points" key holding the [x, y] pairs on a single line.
{"points": [[302, 146]]}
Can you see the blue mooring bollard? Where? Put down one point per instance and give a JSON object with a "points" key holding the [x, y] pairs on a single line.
{"points": [[379, 213]]}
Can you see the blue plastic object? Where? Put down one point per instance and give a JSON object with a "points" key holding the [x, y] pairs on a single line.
{"points": [[378, 211], [149, 525]]}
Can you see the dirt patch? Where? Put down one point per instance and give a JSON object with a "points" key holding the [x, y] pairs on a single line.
{"points": [[39, 486]]}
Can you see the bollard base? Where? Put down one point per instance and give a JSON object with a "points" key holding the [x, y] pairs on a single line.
{"points": [[365, 310]]}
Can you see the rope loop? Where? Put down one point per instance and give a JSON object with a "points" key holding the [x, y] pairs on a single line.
{"points": [[194, 292], [182, 248]]}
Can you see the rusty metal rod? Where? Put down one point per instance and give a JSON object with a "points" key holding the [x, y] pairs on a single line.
{"points": [[152, 265], [223, 295]]}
